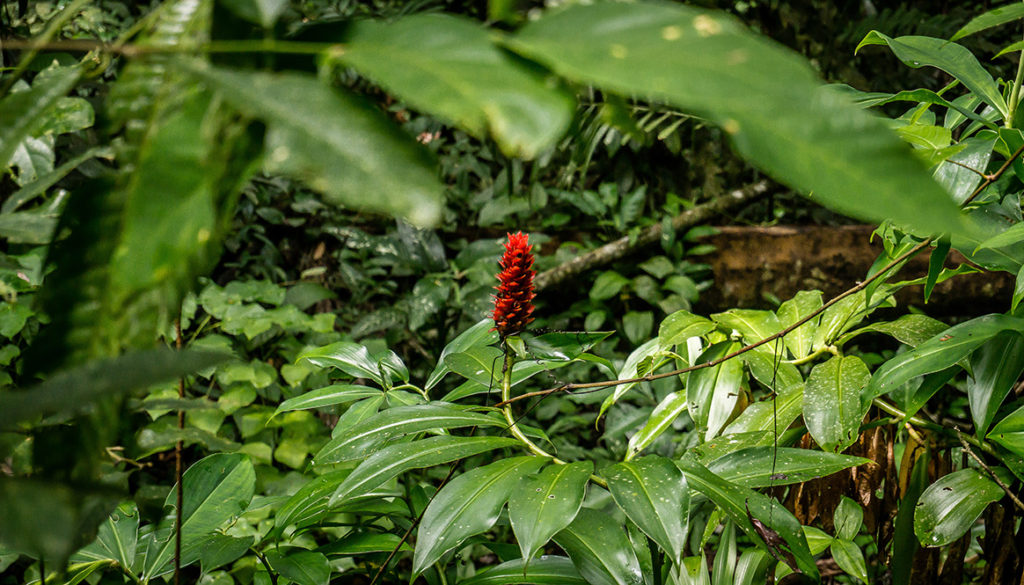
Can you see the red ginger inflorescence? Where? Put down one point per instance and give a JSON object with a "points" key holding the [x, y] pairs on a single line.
{"points": [[514, 303]]}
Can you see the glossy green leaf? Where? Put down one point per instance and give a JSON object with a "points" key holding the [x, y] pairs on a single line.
{"points": [[801, 340], [310, 502], [1013, 236], [356, 412], [75, 389], [653, 493], [815, 141], [959, 181], [450, 67], [546, 504], [630, 369], [304, 567], [116, 540], [949, 507], [220, 549], [712, 393], [378, 429], [394, 460], [918, 51], [469, 505], [564, 345], [658, 422], [995, 368], [752, 567], [847, 518], [994, 17], [680, 326], [1009, 432], [25, 110], [332, 395], [546, 570], [735, 501], [753, 325], [912, 330], [481, 334], [724, 444], [832, 401], [351, 358], [758, 467], [769, 415], [600, 549], [333, 141], [850, 558], [365, 542], [939, 352], [843, 316], [217, 489]]}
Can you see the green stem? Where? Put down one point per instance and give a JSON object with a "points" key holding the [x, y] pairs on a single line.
{"points": [[927, 424], [811, 357], [1015, 91]]}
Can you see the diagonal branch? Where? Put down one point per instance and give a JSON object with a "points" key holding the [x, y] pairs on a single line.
{"points": [[621, 247]]}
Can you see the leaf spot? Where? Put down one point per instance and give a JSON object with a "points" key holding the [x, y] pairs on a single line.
{"points": [[671, 33], [706, 26]]}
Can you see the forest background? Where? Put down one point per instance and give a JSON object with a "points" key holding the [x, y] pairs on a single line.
{"points": [[308, 200]]}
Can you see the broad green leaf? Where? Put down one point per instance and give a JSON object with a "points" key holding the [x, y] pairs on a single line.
{"points": [[801, 340], [546, 570], [758, 467], [724, 567], [653, 493], [930, 385], [842, 316], [395, 460], [680, 326], [600, 549], [310, 503], [1009, 432], [469, 505], [357, 412], [657, 423], [1011, 237], [912, 330], [832, 401], [712, 393], [752, 567], [960, 110], [327, 396], [769, 415], [564, 346], [351, 358], [847, 518], [450, 67], [637, 325], [960, 182], [304, 567], [481, 364], [24, 111], [995, 368], [850, 558], [751, 324], [918, 51], [365, 542], [995, 17], [950, 506], [395, 422], [724, 444], [546, 504], [481, 334], [815, 141], [735, 501], [607, 285], [333, 141], [27, 227], [220, 549], [217, 489], [817, 540], [75, 389], [939, 352], [116, 540], [630, 369]]}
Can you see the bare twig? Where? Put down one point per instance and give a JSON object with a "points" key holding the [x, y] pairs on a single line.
{"points": [[623, 246], [988, 470]]}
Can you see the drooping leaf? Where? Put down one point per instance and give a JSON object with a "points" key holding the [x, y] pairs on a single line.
{"points": [[832, 401], [378, 429], [468, 505], [800, 341], [451, 68], [304, 567], [334, 142], [758, 467], [332, 395], [995, 368], [753, 325], [939, 352], [658, 422], [919, 51], [630, 370], [832, 148], [392, 461], [546, 504], [712, 393], [743, 504], [680, 326], [949, 507], [653, 493], [546, 570], [600, 549]]}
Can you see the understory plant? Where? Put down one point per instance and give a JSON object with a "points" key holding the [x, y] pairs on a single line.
{"points": [[157, 425]]}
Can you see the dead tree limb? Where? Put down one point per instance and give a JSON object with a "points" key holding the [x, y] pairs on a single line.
{"points": [[622, 247]]}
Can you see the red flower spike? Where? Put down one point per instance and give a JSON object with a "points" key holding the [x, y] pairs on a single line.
{"points": [[514, 303]]}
